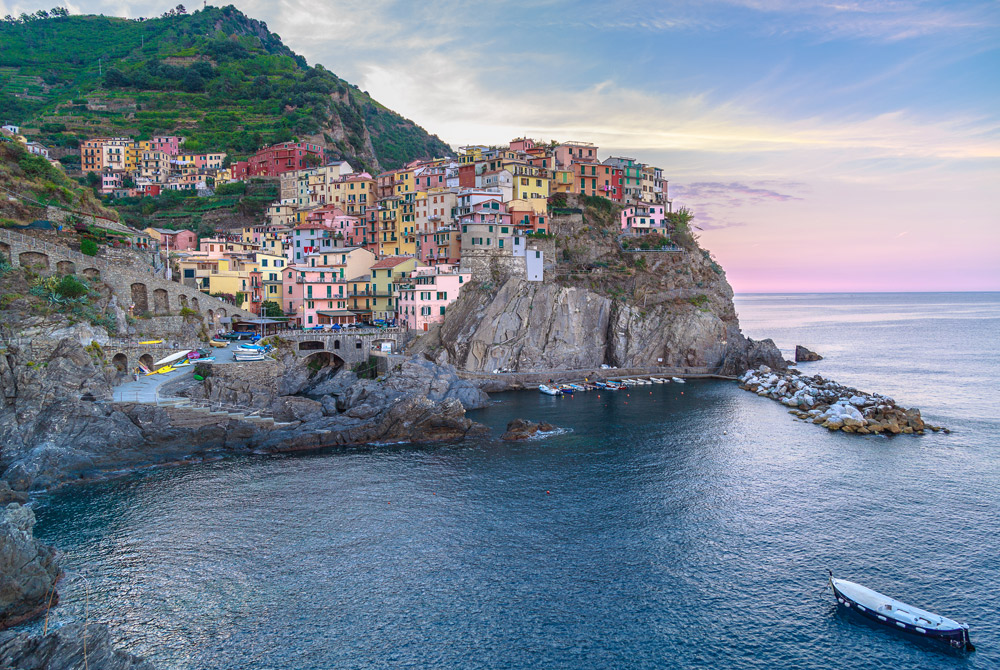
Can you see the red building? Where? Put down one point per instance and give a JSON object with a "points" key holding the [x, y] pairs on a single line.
{"points": [[467, 175], [280, 158], [240, 170]]}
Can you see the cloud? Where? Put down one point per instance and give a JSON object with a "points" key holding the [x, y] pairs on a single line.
{"points": [[734, 194]]}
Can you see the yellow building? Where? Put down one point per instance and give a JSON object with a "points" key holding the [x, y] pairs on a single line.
{"points": [[270, 266], [386, 274], [530, 182]]}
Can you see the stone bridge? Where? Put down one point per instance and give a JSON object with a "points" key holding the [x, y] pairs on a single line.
{"points": [[349, 346], [144, 288]]}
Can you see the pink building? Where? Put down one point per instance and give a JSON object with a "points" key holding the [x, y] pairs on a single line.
{"points": [[642, 219], [522, 144], [425, 296], [315, 296], [346, 230], [168, 144], [110, 181], [176, 240], [568, 153]]}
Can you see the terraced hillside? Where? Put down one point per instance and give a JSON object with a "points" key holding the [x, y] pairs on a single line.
{"points": [[215, 76]]}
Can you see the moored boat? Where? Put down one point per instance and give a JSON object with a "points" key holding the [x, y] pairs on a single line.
{"points": [[891, 612], [677, 380], [548, 390]]}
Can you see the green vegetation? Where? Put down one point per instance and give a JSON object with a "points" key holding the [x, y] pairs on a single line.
{"points": [[217, 77], [366, 369], [273, 309], [39, 184], [88, 247]]}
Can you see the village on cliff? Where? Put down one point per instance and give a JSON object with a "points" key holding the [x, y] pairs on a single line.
{"points": [[342, 247]]}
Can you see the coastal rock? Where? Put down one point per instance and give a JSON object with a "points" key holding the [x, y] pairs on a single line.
{"points": [[437, 382], [522, 429], [8, 495], [63, 648], [28, 568], [803, 355]]}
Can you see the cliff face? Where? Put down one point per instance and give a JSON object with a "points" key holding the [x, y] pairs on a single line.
{"points": [[28, 568], [600, 305]]}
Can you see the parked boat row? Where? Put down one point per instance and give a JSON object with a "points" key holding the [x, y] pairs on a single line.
{"points": [[610, 385]]}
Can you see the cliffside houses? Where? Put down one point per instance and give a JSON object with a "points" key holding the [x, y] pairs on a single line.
{"points": [[341, 246]]}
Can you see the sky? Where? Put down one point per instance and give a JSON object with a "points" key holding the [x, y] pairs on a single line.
{"points": [[823, 145]]}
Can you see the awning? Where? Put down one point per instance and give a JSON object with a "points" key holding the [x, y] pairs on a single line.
{"points": [[339, 312]]}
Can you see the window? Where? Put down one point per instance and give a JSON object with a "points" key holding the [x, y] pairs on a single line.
{"points": [[503, 229], [289, 290], [442, 310]]}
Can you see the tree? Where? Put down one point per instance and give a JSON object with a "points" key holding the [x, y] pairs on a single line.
{"points": [[42, 14], [59, 11], [193, 82], [115, 78], [271, 309], [93, 179]]}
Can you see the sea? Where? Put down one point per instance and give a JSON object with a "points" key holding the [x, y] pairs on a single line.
{"points": [[671, 526]]}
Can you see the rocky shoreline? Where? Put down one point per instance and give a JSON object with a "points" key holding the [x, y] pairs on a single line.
{"points": [[833, 406]]}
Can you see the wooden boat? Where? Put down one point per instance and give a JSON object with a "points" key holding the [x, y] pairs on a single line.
{"points": [[548, 390], [891, 612], [217, 343], [677, 380], [577, 387], [171, 358]]}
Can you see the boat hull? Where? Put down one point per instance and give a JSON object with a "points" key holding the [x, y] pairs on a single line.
{"points": [[957, 637]]}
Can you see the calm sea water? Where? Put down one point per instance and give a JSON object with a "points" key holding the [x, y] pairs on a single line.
{"points": [[686, 526]]}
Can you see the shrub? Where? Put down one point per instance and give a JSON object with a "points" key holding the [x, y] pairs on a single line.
{"points": [[71, 287], [88, 247]]}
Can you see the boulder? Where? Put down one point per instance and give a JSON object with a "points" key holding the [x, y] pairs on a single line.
{"points": [[803, 355], [522, 429], [63, 648], [28, 568]]}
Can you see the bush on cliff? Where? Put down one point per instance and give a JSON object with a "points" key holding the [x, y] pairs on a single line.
{"points": [[88, 247]]}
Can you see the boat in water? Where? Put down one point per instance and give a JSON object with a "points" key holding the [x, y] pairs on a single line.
{"points": [[677, 380], [548, 390], [891, 612]]}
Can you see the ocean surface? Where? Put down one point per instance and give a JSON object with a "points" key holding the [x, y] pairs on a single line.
{"points": [[674, 526]]}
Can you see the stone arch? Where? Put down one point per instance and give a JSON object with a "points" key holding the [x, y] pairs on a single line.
{"points": [[140, 301], [92, 273], [146, 360], [120, 361], [5, 251], [161, 302], [311, 345], [66, 267], [211, 317], [194, 305], [183, 300], [30, 258], [221, 311], [336, 344], [323, 359]]}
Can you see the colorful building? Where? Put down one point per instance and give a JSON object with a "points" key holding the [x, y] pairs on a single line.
{"points": [[272, 161], [425, 296]]}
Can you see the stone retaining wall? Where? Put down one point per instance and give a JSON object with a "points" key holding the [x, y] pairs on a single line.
{"points": [[137, 286]]}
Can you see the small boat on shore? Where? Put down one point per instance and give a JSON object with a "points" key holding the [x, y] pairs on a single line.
{"points": [[172, 357], [891, 612], [219, 343], [548, 390], [677, 380]]}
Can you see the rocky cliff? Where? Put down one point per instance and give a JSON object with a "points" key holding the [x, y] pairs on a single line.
{"points": [[600, 304], [28, 568]]}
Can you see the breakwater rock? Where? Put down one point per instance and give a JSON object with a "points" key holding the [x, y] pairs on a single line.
{"points": [[28, 569], [833, 406], [74, 646]]}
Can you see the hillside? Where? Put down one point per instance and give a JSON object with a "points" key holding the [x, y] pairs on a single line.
{"points": [[29, 183], [214, 76]]}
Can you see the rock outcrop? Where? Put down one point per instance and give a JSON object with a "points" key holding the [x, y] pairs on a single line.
{"points": [[522, 429], [803, 355], [603, 307], [75, 646], [28, 568]]}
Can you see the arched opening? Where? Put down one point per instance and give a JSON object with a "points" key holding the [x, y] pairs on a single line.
{"points": [[29, 259], [120, 361], [194, 305], [183, 300], [140, 301], [66, 267], [92, 273], [221, 312], [323, 362], [211, 318], [5, 251], [311, 345], [147, 361], [161, 303], [336, 344]]}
